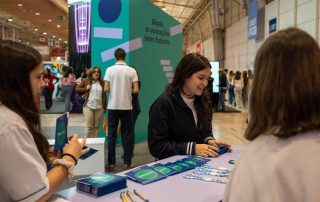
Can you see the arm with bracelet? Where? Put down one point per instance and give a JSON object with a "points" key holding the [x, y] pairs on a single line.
{"points": [[64, 167]]}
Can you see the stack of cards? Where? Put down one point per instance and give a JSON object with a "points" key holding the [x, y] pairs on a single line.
{"points": [[101, 183], [149, 174]]}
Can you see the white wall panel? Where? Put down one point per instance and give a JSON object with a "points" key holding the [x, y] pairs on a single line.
{"points": [[208, 50], [286, 19], [271, 11], [243, 49], [306, 12], [243, 61], [251, 46], [236, 61], [300, 2], [286, 5], [309, 27]]}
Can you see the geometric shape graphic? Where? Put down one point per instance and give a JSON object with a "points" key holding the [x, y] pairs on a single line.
{"points": [[169, 75], [174, 30], [165, 62], [108, 33], [167, 68], [109, 10], [162, 169], [146, 174], [127, 46]]}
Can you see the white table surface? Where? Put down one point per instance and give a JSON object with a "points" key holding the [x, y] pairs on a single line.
{"points": [[171, 189]]}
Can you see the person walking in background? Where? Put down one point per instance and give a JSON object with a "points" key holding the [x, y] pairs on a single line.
{"points": [[250, 80], [48, 87], [231, 88], [223, 84], [245, 89], [24, 150], [68, 81], [94, 101], [84, 74], [120, 81], [238, 85], [180, 119], [284, 127]]}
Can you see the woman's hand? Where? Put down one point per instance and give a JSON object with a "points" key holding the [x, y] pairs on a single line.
{"points": [[217, 143], [74, 147], [206, 150]]}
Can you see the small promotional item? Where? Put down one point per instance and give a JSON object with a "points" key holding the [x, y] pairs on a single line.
{"points": [[89, 153], [61, 131], [164, 169], [101, 184], [145, 175], [222, 149]]}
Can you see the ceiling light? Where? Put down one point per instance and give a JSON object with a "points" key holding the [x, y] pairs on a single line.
{"points": [[20, 5], [53, 36], [49, 20], [36, 29], [60, 39], [65, 41], [37, 13], [28, 42], [44, 33], [58, 26], [10, 19]]}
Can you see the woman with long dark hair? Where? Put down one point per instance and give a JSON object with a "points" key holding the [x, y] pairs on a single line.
{"points": [[180, 119], [24, 151]]}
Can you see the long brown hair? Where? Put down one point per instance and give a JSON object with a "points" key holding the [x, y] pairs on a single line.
{"points": [[285, 94], [187, 66], [16, 63]]}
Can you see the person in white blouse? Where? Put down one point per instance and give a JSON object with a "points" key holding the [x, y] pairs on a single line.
{"points": [[282, 161], [24, 150], [95, 100]]}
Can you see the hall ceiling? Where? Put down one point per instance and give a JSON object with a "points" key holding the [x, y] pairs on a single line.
{"points": [[30, 24], [49, 20], [181, 10]]}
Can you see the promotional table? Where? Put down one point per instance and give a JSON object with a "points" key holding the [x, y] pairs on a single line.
{"points": [[171, 189]]}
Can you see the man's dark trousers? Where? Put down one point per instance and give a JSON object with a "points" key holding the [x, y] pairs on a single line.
{"points": [[126, 135]]}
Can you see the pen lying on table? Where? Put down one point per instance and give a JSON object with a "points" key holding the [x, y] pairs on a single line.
{"points": [[140, 195]]}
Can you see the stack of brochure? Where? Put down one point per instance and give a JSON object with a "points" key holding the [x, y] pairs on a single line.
{"points": [[148, 174], [101, 183]]}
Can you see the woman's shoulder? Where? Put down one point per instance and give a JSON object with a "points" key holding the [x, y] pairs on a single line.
{"points": [[9, 117]]}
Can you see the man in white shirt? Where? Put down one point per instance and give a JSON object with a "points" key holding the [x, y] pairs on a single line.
{"points": [[120, 81]]}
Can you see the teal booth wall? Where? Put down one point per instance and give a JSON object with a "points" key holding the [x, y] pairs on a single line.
{"points": [[151, 38]]}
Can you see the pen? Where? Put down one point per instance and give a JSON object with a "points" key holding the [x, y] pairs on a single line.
{"points": [[123, 196], [143, 197], [130, 195]]}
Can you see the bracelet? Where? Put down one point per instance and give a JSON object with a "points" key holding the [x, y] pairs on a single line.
{"points": [[74, 158], [67, 164]]}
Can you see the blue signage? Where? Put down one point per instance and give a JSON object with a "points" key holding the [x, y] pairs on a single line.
{"points": [[272, 25], [253, 19]]}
